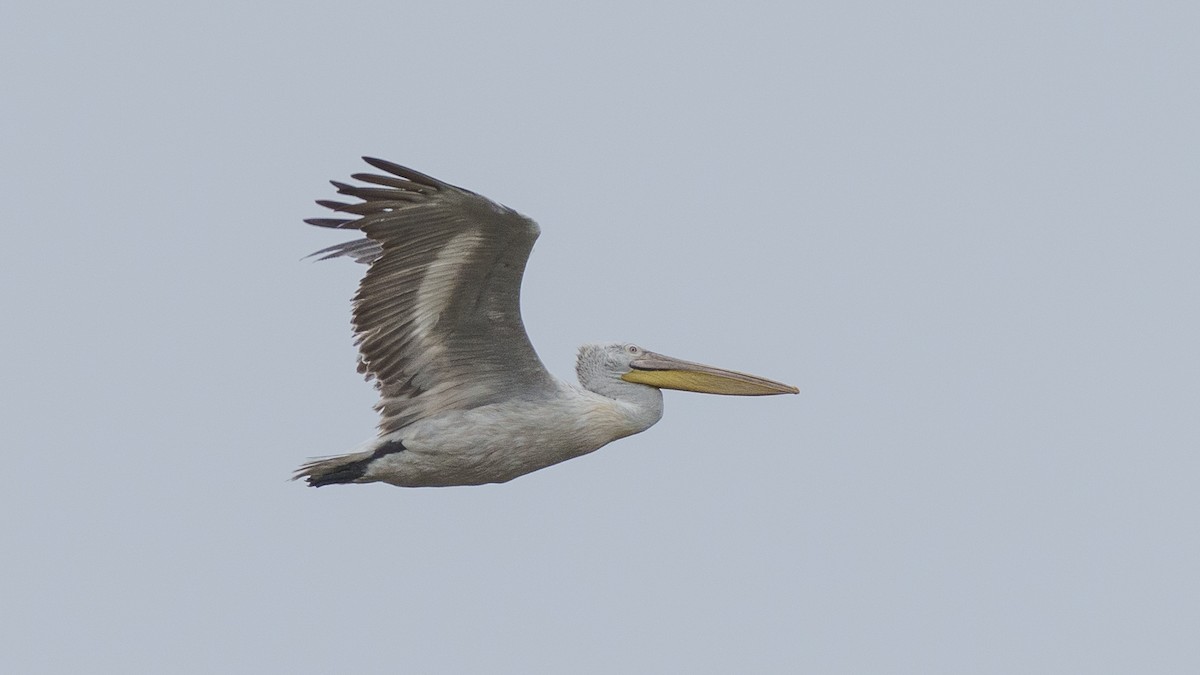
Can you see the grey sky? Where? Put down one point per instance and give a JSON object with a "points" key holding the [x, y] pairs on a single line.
{"points": [[968, 233]]}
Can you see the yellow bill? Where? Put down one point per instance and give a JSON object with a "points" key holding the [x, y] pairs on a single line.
{"points": [[666, 372]]}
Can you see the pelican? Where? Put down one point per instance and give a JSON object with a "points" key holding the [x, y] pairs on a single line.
{"points": [[464, 398]]}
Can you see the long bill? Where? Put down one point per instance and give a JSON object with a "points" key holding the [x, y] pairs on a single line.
{"points": [[666, 372]]}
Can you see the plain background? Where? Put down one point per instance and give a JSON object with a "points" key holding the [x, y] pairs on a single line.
{"points": [[967, 231]]}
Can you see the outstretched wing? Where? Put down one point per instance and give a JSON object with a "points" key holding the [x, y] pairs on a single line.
{"points": [[437, 316]]}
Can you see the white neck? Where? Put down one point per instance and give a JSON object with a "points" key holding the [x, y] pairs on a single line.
{"points": [[637, 406]]}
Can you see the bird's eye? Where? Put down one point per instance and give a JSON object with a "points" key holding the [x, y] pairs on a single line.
{"points": [[633, 349]]}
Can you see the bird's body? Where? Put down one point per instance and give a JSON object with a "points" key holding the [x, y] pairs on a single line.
{"points": [[464, 398], [498, 442]]}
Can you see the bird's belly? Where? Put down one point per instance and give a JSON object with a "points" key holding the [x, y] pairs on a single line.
{"points": [[487, 446]]}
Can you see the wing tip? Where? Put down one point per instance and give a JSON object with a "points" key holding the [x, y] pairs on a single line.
{"points": [[405, 172]]}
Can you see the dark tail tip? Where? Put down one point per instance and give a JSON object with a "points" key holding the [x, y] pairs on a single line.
{"points": [[347, 473], [340, 470]]}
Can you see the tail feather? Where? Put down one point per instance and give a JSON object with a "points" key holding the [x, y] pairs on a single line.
{"points": [[350, 468]]}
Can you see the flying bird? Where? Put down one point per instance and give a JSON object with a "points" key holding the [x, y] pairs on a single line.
{"points": [[464, 399]]}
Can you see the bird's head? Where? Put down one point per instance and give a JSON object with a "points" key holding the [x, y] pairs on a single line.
{"points": [[628, 362]]}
